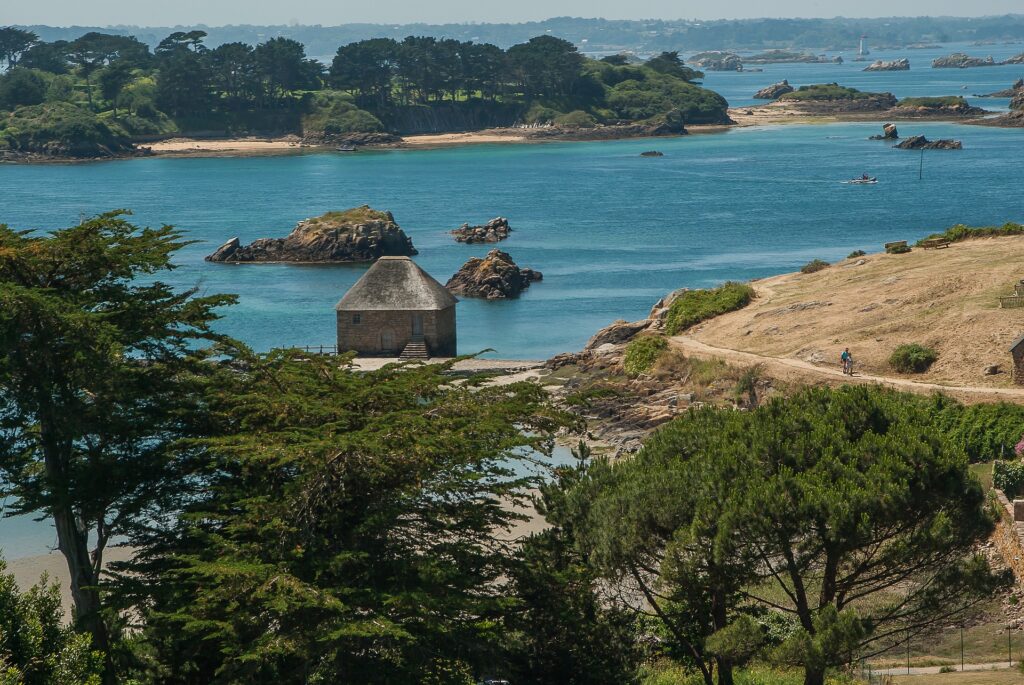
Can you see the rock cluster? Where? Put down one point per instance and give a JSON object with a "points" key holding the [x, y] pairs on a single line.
{"points": [[788, 57], [361, 234], [959, 60], [717, 61], [495, 230], [775, 90], [922, 143], [901, 64], [494, 277], [889, 132], [1010, 92]]}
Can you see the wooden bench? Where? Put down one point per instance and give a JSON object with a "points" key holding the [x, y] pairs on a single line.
{"points": [[934, 243]]}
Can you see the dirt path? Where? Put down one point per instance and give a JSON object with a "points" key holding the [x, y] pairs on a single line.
{"points": [[798, 369]]}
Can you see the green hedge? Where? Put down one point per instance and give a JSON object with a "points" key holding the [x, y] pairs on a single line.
{"points": [[695, 306], [1008, 476], [984, 431], [813, 266], [933, 102], [642, 352]]}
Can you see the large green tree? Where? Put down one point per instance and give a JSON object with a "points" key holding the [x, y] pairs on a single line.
{"points": [[97, 365], [346, 526], [14, 43]]}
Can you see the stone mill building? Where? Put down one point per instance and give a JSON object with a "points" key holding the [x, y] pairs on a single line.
{"points": [[397, 309]]}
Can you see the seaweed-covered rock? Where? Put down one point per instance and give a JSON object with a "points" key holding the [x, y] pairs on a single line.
{"points": [[1010, 92], [901, 64], [361, 234], [775, 90], [922, 143], [495, 230], [494, 277]]}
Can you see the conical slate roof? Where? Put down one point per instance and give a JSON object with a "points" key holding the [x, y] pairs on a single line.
{"points": [[396, 283]]}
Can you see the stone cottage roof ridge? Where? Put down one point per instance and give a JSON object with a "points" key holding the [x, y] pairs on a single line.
{"points": [[396, 283]]}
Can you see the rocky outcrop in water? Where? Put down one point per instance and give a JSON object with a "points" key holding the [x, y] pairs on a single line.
{"points": [[1010, 92], [774, 91], [361, 234], [959, 60], [889, 132], [495, 230], [715, 60], [494, 277], [788, 57], [1016, 59], [922, 143], [901, 64]]}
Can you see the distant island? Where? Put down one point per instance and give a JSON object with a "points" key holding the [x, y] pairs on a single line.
{"points": [[103, 94]]}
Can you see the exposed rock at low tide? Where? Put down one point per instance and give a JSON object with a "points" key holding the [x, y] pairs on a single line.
{"points": [[361, 234], [495, 230], [889, 132], [959, 60], [922, 143], [775, 90], [1010, 92], [901, 64], [616, 333], [494, 277]]}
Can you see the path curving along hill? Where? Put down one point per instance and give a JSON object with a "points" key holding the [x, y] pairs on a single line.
{"points": [[947, 299]]}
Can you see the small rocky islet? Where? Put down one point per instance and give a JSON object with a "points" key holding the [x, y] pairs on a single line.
{"points": [[495, 277], [495, 230], [360, 234]]}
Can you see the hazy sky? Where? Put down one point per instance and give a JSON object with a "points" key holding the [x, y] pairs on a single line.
{"points": [[330, 12]]}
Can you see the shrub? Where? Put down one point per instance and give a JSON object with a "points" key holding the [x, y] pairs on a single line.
{"points": [[695, 306], [933, 102], [539, 114], [642, 352], [813, 266], [912, 358], [1008, 476], [21, 87], [962, 232], [898, 249], [827, 91], [576, 119], [62, 128], [856, 253], [985, 431]]}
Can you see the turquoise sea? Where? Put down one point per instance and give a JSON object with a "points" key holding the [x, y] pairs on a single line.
{"points": [[611, 231]]}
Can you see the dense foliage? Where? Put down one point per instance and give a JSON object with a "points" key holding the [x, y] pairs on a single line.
{"points": [[36, 648], [1008, 476], [811, 506], [100, 89], [912, 358], [642, 352], [827, 91], [934, 102], [694, 306], [984, 431], [960, 232]]}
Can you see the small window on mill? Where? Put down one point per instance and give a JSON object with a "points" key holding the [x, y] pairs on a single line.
{"points": [[356, 318]]}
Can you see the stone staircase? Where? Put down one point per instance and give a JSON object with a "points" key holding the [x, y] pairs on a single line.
{"points": [[416, 349]]}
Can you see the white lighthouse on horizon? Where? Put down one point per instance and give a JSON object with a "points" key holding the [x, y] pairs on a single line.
{"points": [[863, 48]]}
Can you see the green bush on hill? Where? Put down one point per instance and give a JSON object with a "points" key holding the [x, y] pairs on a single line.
{"points": [[933, 102], [659, 93], [695, 306], [642, 352], [333, 113], [962, 232], [827, 91], [912, 358], [576, 119], [814, 265]]}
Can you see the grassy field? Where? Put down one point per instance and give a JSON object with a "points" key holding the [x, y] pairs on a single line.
{"points": [[1001, 677]]}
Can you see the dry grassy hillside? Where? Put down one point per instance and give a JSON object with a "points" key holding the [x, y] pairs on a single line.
{"points": [[946, 299]]}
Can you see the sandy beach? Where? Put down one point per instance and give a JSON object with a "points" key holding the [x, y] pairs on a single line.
{"points": [[466, 138], [226, 147]]}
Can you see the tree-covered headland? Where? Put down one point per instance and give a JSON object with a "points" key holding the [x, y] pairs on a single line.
{"points": [[100, 92]]}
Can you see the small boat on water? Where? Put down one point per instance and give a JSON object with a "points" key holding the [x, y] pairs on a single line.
{"points": [[862, 181], [346, 148], [652, 153]]}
